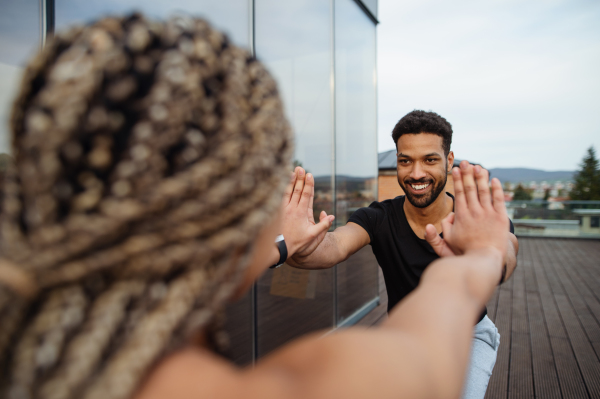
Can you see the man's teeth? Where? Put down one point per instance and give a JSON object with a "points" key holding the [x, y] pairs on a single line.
{"points": [[419, 186]]}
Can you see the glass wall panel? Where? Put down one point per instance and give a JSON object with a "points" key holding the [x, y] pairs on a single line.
{"points": [[232, 16], [293, 38], [356, 145], [238, 325], [19, 40]]}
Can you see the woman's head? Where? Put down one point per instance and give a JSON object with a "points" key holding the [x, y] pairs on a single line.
{"points": [[147, 157]]}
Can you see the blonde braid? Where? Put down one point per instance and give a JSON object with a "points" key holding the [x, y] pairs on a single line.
{"points": [[147, 156]]}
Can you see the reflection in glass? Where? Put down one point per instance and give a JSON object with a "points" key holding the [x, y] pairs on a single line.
{"points": [[238, 325], [231, 16], [356, 145], [19, 40], [293, 40]]}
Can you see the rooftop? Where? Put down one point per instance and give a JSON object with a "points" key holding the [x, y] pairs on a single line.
{"points": [[548, 315]]}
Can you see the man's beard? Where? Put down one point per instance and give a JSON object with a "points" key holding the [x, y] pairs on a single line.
{"points": [[423, 201]]}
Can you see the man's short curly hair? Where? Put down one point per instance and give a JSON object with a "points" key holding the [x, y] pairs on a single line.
{"points": [[418, 121]]}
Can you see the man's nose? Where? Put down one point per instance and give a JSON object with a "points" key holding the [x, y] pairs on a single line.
{"points": [[417, 172]]}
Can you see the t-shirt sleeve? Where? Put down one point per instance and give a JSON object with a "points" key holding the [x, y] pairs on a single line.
{"points": [[368, 218]]}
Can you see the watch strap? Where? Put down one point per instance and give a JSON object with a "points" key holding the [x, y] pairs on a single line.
{"points": [[283, 253]]}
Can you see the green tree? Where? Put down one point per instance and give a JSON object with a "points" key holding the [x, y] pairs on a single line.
{"points": [[522, 194], [587, 178]]}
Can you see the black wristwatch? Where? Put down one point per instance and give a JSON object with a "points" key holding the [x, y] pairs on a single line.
{"points": [[283, 253]]}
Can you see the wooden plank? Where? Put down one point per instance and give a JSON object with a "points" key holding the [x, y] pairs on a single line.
{"points": [[572, 308], [584, 281], [569, 378], [520, 381], [498, 386], [544, 371], [553, 320], [586, 306], [582, 348], [571, 382], [492, 305]]}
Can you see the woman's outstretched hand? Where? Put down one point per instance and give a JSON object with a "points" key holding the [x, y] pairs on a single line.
{"points": [[480, 220]]}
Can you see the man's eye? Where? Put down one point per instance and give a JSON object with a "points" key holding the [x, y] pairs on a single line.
{"points": [[431, 160], [403, 161]]}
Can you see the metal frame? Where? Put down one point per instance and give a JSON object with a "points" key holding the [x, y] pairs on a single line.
{"points": [[47, 20], [367, 11], [333, 150], [254, 289], [360, 313]]}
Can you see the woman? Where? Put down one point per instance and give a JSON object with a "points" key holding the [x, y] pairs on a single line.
{"points": [[150, 160]]}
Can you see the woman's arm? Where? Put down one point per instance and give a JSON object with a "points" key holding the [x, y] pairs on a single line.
{"points": [[421, 351]]}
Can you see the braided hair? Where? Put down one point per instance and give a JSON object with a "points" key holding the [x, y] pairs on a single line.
{"points": [[147, 157]]}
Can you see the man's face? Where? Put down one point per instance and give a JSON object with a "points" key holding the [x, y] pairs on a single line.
{"points": [[422, 167]]}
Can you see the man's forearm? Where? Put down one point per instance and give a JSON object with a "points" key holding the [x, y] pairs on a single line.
{"points": [[326, 255]]}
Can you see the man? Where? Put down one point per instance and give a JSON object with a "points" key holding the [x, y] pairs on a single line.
{"points": [[403, 231]]}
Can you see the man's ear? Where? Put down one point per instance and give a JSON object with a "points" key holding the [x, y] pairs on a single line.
{"points": [[450, 161]]}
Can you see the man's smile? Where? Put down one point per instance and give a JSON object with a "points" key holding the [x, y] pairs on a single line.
{"points": [[419, 188]]}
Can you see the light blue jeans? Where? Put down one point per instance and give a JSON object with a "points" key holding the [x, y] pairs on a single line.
{"points": [[483, 358]]}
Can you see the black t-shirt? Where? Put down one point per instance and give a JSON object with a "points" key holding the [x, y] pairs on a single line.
{"points": [[401, 254]]}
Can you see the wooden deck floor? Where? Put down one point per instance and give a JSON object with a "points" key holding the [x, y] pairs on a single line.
{"points": [[548, 315]]}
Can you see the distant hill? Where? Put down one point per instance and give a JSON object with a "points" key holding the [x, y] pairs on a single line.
{"points": [[516, 175]]}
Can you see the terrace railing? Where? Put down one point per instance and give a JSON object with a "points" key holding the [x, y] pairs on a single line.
{"points": [[555, 218]]}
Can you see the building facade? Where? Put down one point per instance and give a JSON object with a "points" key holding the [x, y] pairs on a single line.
{"points": [[323, 55]]}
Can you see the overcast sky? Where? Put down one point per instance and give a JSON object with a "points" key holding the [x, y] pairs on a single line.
{"points": [[518, 80]]}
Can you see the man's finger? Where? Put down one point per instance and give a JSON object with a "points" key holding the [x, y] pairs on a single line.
{"points": [[287, 194], [449, 219], [299, 185], [322, 226], [308, 192], [447, 223], [434, 239], [483, 187], [498, 196], [468, 180], [460, 200], [311, 214], [322, 215]]}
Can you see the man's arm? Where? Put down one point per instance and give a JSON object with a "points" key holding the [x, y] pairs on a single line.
{"points": [[421, 351], [336, 247], [309, 244]]}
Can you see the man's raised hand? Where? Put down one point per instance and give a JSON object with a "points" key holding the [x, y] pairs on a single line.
{"points": [[302, 235], [480, 220]]}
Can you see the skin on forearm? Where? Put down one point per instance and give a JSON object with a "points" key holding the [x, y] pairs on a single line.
{"points": [[336, 247], [326, 255]]}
